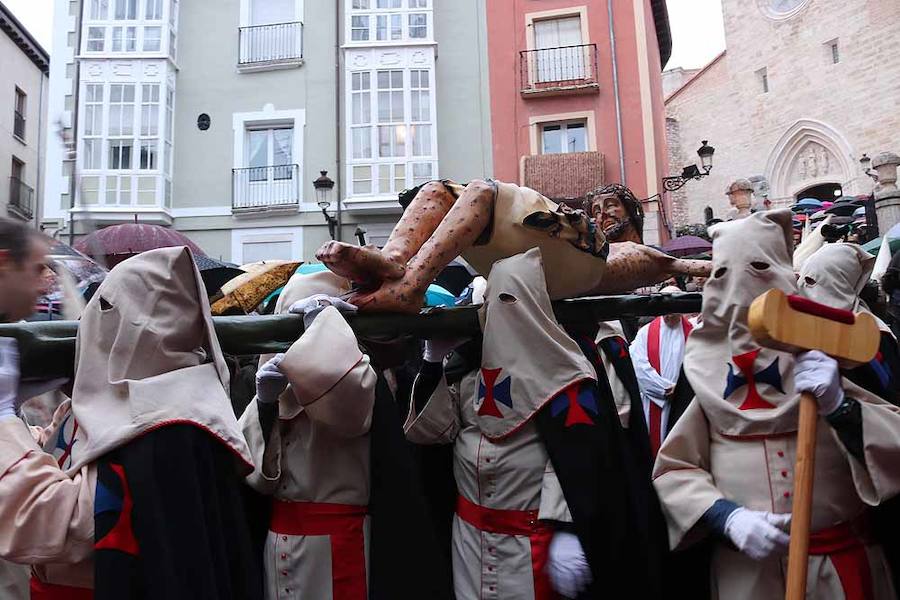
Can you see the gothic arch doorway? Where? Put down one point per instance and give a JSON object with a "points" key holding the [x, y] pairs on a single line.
{"points": [[808, 155], [822, 191]]}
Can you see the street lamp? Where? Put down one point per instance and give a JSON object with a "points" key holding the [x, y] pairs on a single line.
{"points": [[324, 184], [692, 171]]}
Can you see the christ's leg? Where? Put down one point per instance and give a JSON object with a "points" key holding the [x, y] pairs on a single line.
{"points": [[368, 265], [457, 231]]}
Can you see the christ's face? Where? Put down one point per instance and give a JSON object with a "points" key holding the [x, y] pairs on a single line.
{"points": [[608, 211]]}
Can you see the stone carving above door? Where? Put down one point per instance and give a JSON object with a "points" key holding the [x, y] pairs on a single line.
{"points": [[814, 161]]}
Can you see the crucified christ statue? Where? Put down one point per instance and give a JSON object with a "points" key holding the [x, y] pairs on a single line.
{"points": [[486, 221]]}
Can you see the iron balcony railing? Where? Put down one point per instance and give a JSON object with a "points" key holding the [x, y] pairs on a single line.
{"points": [[275, 43], [19, 124], [21, 197], [260, 188], [566, 67]]}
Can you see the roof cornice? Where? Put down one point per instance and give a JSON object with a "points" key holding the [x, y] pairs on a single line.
{"points": [[10, 25]]}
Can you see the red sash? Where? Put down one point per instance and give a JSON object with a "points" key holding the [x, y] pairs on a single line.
{"points": [[47, 591], [653, 335], [515, 522], [343, 523], [847, 551]]}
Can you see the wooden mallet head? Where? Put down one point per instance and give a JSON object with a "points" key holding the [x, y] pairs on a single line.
{"points": [[796, 324]]}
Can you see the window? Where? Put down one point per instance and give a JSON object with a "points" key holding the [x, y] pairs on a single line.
{"points": [[392, 20], [149, 147], [266, 12], [152, 39], [270, 153], [93, 126], [19, 115], [384, 31], [359, 27], [126, 10], [557, 138], [18, 169], [96, 38], [559, 54], [120, 129], [170, 124], [124, 39], [361, 114], [391, 130], [154, 10], [418, 25], [763, 76], [99, 10]]}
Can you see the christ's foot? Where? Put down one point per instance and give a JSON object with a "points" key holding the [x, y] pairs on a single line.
{"points": [[393, 296], [364, 265]]}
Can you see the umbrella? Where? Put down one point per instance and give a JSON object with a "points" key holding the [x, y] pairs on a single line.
{"points": [[873, 246], [119, 242], [686, 245], [215, 273]]}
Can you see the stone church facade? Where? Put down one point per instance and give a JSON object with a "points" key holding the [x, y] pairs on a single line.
{"points": [[803, 90]]}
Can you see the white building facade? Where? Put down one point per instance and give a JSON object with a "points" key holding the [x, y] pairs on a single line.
{"points": [[215, 118]]}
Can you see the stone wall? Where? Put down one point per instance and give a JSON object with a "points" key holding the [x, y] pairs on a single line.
{"points": [[817, 117]]}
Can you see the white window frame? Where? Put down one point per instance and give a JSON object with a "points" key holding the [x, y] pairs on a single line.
{"points": [[107, 183], [266, 118], [388, 165], [400, 14], [109, 26], [245, 16], [563, 127]]}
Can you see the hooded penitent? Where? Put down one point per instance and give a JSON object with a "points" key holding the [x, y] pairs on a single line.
{"points": [[744, 388], [835, 275], [516, 382], [147, 356]]}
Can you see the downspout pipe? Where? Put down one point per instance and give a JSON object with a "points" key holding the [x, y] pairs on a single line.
{"points": [[339, 172], [618, 100], [38, 200]]}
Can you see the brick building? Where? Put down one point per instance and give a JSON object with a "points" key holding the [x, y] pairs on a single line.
{"points": [[576, 96], [804, 88]]}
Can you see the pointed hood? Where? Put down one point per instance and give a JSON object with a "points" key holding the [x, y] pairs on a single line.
{"points": [[835, 275], [740, 385], [147, 355]]}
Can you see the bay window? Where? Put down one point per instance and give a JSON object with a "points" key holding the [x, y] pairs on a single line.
{"points": [[392, 143], [389, 20]]}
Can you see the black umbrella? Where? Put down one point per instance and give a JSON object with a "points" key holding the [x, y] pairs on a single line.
{"points": [[215, 273]]}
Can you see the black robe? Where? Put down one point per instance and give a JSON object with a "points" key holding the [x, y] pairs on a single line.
{"points": [[170, 521], [685, 573]]}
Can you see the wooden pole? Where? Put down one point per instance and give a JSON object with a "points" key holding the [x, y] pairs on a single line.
{"points": [[47, 349], [801, 510]]}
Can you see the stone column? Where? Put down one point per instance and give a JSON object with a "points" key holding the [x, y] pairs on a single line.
{"points": [[887, 196], [740, 195]]}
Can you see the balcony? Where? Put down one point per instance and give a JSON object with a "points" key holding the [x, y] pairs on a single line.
{"points": [[263, 189], [564, 70], [21, 199], [19, 125], [564, 177], [263, 47]]}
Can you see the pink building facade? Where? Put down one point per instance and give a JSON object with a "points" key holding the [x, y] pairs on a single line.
{"points": [[577, 103]]}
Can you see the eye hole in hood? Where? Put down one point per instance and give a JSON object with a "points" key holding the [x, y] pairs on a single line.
{"points": [[720, 272], [105, 304], [759, 265]]}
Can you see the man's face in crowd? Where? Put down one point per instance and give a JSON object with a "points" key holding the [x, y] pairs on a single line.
{"points": [[672, 320], [22, 282]]}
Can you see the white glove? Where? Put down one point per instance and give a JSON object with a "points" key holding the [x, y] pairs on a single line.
{"points": [[311, 307], [568, 567], [270, 381], [819, 374], [437, 350], [758, 534], [9, 376]]}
